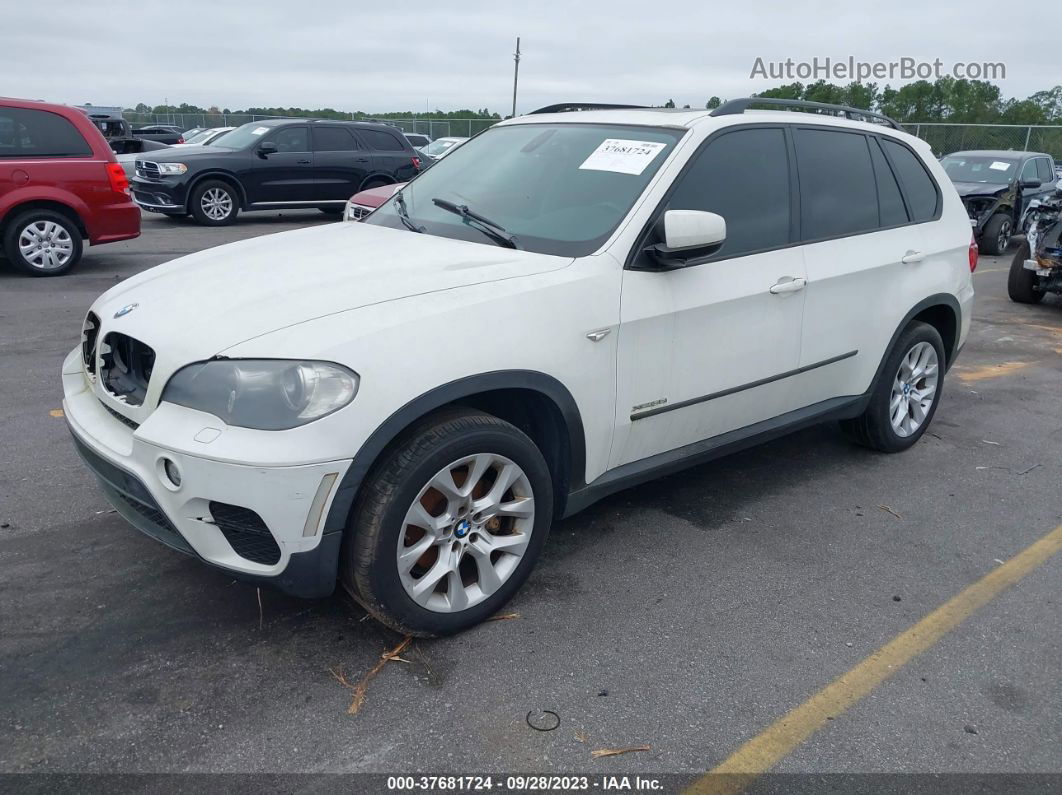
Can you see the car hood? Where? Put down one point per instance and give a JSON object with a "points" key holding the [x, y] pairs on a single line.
{"points": [[979, 189], [180, 153], [197, 306], [374, 197]]}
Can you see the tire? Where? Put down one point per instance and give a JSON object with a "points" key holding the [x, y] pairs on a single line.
{"points": [[1022, 281], [376, 182], [875, 428], [42, 243], [995, 236], [214, 203], [402, 482]]}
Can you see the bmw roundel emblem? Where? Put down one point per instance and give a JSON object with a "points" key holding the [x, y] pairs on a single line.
{"points": [[125, 310], [462, 528]]}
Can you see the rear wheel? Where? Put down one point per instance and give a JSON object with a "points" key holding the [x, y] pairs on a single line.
{"points": [[906, 396], [1021, 281], [995, 236], [42, 243], [449, 524], [214, 203]]}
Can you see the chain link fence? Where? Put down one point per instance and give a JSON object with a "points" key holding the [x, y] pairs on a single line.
{"points": [[943, 137], [433, 128], [946, 138]]}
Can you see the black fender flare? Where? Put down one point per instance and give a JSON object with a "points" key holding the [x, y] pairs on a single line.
{"points": [[939, 299], [448, 393], [375, 177]]}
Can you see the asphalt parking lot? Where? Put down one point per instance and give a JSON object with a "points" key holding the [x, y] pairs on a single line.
{"points": [[687, 614]]}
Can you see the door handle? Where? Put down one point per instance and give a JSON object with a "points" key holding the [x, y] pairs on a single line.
{"points": [[361, 160], [788, 284], [911, 257], [303, 162]]}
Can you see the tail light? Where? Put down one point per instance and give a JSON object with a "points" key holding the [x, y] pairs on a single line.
{"points": [[416, 163], [973, 254], [119, 181], [180, 139]]}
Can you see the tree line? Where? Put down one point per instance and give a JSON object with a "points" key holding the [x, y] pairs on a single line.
{"points": [[943, 100], [319, 113]]}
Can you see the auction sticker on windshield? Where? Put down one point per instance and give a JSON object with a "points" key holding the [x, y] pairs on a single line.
{"points": [[624, 157], [259, 131], [999, 165]]}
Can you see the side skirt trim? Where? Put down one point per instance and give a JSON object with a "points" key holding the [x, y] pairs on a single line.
{"points": [[662, 464], [734, 389]]}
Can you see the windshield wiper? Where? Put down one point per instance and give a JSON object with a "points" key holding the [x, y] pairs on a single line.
{"points": [[403, 213], [499, 234]]}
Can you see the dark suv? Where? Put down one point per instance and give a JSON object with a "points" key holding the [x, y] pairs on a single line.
{"points": [[996, 186], [276, 164]]}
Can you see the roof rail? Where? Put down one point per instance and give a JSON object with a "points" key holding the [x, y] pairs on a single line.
{"points": [[736, 106], [567, 107]]}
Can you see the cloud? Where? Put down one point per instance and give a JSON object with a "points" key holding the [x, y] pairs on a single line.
{"points": [[402, 56]]}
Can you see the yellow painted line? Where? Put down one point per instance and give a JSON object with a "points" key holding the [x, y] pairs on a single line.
{"points": [[971, 374], [781, 738], [56, 412]]}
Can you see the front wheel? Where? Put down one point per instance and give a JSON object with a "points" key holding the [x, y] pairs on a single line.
{"points": [[214, 203], [906, 396], [1021, 282], [995, 237], [449, 524]]}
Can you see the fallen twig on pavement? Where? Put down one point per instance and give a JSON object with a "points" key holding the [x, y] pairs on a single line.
{"points": [[363, 684], [601, 752]]}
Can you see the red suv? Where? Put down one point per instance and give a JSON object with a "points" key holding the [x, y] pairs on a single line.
{"points": [[59, 184]]}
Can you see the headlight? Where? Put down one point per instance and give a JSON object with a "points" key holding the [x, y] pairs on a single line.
{"points": [[265, 394], [172, 168]]}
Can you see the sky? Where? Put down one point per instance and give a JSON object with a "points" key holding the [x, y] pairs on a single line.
{"points": [[390, 56]]}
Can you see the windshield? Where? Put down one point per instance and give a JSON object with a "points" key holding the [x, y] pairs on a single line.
{"points": [[199, 137], [436, 148], [980, 168], [242, 137], [557, 188]]}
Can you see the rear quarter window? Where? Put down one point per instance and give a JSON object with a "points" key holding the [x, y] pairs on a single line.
{"points": [[26, 133], [923, 198]]}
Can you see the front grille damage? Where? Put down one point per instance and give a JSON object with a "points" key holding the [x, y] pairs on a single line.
{"points": [[125, 367], [246, 533]]}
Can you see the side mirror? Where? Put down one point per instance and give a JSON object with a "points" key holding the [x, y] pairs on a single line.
{"points": [[1030, 183], [690, 236], [266, 148]]}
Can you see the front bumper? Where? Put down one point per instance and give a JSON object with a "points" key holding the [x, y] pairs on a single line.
{"points": [[264, 524], [166, 194]]}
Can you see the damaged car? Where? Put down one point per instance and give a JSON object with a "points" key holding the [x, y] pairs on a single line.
{"points": [[1037, 265], [997, 187]]}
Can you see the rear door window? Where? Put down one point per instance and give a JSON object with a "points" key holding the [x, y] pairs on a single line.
{"points": [[332, 139], [381, 141], [838, 193], [28, 133], [891, 209], [923, 197]]}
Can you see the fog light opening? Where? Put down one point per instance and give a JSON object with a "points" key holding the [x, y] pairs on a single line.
{"points": [[171, 473]]}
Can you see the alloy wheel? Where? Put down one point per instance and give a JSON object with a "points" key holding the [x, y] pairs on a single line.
{"points": [[914, 389], [216, 204], [1004, 235], [45, 245], [465, 533]]}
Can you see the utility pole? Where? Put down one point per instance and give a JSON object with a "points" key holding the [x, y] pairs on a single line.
{"points": [[516, 72]]}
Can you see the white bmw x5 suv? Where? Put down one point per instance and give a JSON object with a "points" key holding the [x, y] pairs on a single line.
{"points": [[569, 304]]}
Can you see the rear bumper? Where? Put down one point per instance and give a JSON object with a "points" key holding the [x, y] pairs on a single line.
{"points": [[113, 222], [223, 513]]}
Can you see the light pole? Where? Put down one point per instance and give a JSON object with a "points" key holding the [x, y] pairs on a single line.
{"points": [[516, 72]]}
